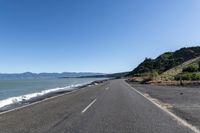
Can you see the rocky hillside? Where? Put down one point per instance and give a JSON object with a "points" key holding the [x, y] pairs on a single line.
{"points": [[166, 61]]}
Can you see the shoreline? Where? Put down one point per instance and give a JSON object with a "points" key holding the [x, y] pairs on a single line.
{"points": [[50, 95]]}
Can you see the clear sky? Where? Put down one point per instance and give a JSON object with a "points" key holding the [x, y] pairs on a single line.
{"points": [[92, 35]]}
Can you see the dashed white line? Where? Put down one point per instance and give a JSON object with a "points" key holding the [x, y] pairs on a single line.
{"points": [[107, 88], [88, 106]]}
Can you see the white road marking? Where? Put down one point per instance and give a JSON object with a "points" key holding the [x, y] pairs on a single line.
{"points": [[88, 106], [178, 119], [107, 88]]}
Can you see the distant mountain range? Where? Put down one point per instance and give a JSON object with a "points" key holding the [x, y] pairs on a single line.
{"points": [[29, 75], [114, 75]]}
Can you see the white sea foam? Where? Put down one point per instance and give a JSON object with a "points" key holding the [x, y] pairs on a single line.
{"points": [[14, 100]]}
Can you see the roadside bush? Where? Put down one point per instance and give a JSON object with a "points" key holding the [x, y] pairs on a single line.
{"points": [[154, 74], [188, 76], [191, 68], [195, 76], [199, 65]]}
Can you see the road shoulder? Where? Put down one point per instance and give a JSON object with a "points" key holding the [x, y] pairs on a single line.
{"points": [[182, 102]]}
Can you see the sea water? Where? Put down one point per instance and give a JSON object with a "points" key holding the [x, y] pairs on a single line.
{"points": [[13, 91]]}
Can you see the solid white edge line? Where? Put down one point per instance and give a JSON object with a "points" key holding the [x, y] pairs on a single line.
{"points": [[177, 118], [34, 103], [89, 106]]}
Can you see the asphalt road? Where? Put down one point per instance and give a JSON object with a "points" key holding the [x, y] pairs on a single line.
{"points": [[111, 107]]}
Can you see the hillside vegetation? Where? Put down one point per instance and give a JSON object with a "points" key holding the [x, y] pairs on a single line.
{"points": [[181, 67], [167, 61], [190, 66]]}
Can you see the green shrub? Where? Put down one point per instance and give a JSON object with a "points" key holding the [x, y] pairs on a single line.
{"points": [[199, 65], [191, 68], [188, 76], [195, 76], [154, 74]]}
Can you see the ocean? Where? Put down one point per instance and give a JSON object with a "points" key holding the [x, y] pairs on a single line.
{"points": [[14, 91]]}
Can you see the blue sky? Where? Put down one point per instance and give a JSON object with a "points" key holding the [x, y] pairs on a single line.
{"points": [[92, 35]]}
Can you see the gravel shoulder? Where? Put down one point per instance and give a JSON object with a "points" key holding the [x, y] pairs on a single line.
{"points": [[183, 101]]}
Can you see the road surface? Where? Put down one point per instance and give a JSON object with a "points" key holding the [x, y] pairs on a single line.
{"points": [[111, 107]]}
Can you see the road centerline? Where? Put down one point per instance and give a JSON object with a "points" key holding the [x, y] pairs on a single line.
{"points": [[88, 106], [107, 88]]}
